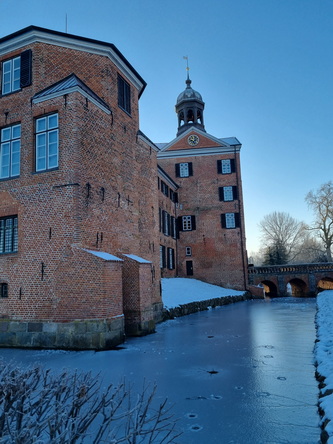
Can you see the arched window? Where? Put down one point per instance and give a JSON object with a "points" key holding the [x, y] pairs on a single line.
{"points": [[190, 115], [181, 118]]}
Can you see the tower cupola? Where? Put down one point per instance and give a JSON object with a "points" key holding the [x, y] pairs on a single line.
{"points": [[189, 109]]}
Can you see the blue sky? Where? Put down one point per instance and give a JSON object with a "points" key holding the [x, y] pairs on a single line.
{"points": [[264, 69]]}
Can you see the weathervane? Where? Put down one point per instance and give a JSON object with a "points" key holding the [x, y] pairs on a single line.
{"points": [[187, 67]]}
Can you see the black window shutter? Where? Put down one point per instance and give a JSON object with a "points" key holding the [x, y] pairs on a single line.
{"points": [[219, 167], [221, 196], [179, 223], [190, 169], [234, 192], [26, 62], [163, 221], [232, 165], [163, 256], [177, 170], [176, 198], [193, 223], [169, 224], [237, 220], [160, 218], [223, 221], [168, 258]]}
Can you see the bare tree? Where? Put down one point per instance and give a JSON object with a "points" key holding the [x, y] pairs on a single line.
{"points": [[321, 202], [69, 408], [282, 232]]}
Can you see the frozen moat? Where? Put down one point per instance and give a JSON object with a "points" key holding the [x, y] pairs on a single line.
{"points": [[242, 373]]}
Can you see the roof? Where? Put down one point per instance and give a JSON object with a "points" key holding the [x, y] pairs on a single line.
{"points": [[33, 33], [103, 255], [137, 259], [69, 84]]}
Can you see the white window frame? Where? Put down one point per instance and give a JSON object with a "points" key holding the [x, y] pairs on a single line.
{"points": [[230, 221], [188, 251], [47, 142], [10, 151], [11, 75], [187, 223], [8, 234], [226, 166], [228, 194], [184, 170]]}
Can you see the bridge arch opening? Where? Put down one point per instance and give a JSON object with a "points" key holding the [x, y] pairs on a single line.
{"points": [[270, 288], [325, 283], [297, 288]]}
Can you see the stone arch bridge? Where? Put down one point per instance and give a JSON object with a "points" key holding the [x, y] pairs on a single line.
{"points": [[302, 280]]}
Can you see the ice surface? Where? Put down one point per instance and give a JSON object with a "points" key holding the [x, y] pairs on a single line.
{"points": [[241, 373]]}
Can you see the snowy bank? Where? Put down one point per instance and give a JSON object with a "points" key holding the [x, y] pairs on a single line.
{"points": [[324, 361], [182, 296]]}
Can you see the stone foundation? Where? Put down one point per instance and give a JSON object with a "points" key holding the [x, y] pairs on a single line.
{"points": [[194, 307], [99, 334]]}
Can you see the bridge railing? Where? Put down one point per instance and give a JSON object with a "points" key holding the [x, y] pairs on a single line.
{"points": [[291, 268]]}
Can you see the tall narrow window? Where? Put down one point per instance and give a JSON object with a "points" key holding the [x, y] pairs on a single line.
{"points": [[4, 290], [124, 95], [10, 148], [8, 234], [47, 142], [162, 256], [11, 73], [171, 258]]}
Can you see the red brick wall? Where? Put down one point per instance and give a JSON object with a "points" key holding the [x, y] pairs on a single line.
{"points": [[100, 197], [218, 254]]}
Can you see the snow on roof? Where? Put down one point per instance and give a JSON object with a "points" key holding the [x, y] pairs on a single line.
{"points": [[104, 255], [180, 291], [161, 145], [137, 259], [231, 140]]}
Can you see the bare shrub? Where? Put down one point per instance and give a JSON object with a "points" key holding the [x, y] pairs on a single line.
{"points": [[38, 407]]}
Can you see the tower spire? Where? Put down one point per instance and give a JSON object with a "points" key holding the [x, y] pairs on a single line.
{"points": [[187, 67], [189, 106]]}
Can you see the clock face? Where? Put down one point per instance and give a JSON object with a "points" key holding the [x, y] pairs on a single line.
{"points": [[193, 140]]}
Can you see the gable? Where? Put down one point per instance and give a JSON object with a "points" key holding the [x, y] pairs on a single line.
{"points": [[194, 142], [68, 85], [184, 142]]}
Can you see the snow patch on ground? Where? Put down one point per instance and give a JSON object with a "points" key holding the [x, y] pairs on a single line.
{"points": [[324, 354], [180, 291]]}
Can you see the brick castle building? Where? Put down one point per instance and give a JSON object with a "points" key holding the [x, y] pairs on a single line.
{"points": [[91, 211]]}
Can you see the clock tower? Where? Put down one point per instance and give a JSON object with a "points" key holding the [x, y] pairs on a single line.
{"points": [[189, 108]]}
